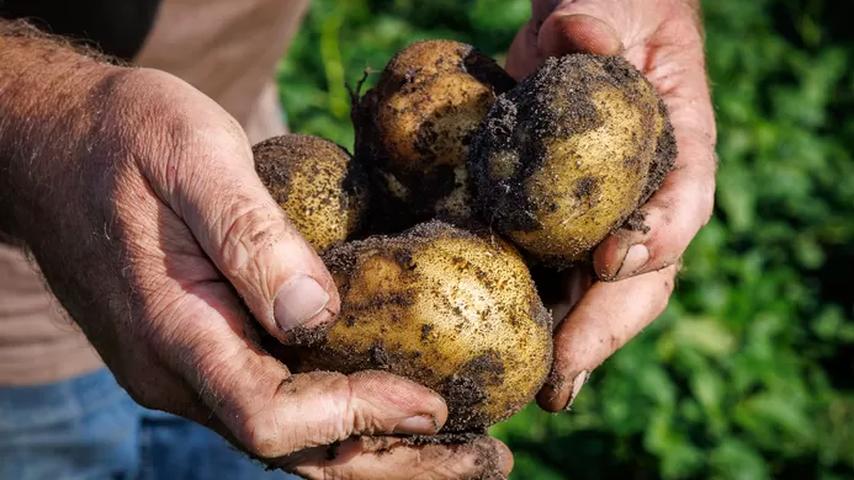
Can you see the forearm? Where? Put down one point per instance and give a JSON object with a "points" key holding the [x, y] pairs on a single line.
{"points": [[45, 85]]}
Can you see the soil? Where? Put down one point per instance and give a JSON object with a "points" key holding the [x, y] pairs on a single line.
{"points": [[522, 122], [636, 222], [457, 438], [663, 163], [307, 336], [466, 390], [425, 186], [586, 190], [555, 103], [665, 156], [425, 331]]}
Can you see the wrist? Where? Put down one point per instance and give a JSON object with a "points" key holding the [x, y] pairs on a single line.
{"points": [[45, 87]]}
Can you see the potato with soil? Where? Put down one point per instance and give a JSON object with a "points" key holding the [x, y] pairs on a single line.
{"points": [[447, 308], [415, 126], [317, 184], [569, 154]]}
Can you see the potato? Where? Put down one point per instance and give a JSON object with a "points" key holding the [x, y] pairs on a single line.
{"points": [[317, 184], [449, 309], [569, 154], [414, 128]]}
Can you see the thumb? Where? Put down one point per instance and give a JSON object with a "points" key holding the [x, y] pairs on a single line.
{"points": [[564, 33], [213, 187], [256, 400], [276, 272], [248, 236]]}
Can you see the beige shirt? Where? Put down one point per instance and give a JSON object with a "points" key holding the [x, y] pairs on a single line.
{"points": [[228, 49]]}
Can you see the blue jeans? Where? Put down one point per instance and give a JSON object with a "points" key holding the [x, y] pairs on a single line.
{"points": [[89, 428]]}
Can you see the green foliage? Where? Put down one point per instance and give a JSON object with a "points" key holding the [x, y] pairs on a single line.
{"points": [[749, 372]]}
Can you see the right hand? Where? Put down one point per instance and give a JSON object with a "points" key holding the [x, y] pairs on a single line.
{"points": [[147, 218], [635, 267]]}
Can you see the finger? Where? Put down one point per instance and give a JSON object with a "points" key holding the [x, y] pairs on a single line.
{"points": [[596, 26], [671, 218], [246, 234], [401, 458], [270, 412], [522, 56], [578, 32], [576, 27], [197, 329], [603, 321], [212, 185], [210, 360], [684, 202]]}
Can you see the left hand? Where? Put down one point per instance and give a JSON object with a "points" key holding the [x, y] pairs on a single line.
{"points": [[635, 269]]}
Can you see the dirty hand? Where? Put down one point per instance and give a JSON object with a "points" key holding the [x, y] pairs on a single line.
{"points": [[634, 268], [138, 198]]}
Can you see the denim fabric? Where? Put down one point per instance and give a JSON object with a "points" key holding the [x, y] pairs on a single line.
{"points": [[89, 428]]}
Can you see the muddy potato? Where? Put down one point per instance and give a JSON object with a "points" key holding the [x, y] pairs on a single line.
{"points": [[316, 183], [449, 309], [569, 154], [415, 126]]}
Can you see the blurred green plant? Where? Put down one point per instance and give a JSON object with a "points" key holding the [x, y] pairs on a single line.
{"points": [[750, 372]]}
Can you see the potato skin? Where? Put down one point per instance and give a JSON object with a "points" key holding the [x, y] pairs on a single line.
{"points": [[321, 189], [414, 128], [569, 154], [449, 309]]}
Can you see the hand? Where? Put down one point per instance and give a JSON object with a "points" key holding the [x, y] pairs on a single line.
{"points": [[635, 268], [138, 197]]}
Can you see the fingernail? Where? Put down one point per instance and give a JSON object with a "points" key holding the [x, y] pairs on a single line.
{"points": [[577, 383], [418, 425], [299, 300], [635, 259]]}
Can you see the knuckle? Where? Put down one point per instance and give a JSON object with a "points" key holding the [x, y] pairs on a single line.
{"points": [[261, 436], [264, 433], [278, 430], [249, 229], [351, 417], [175, 129]]}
